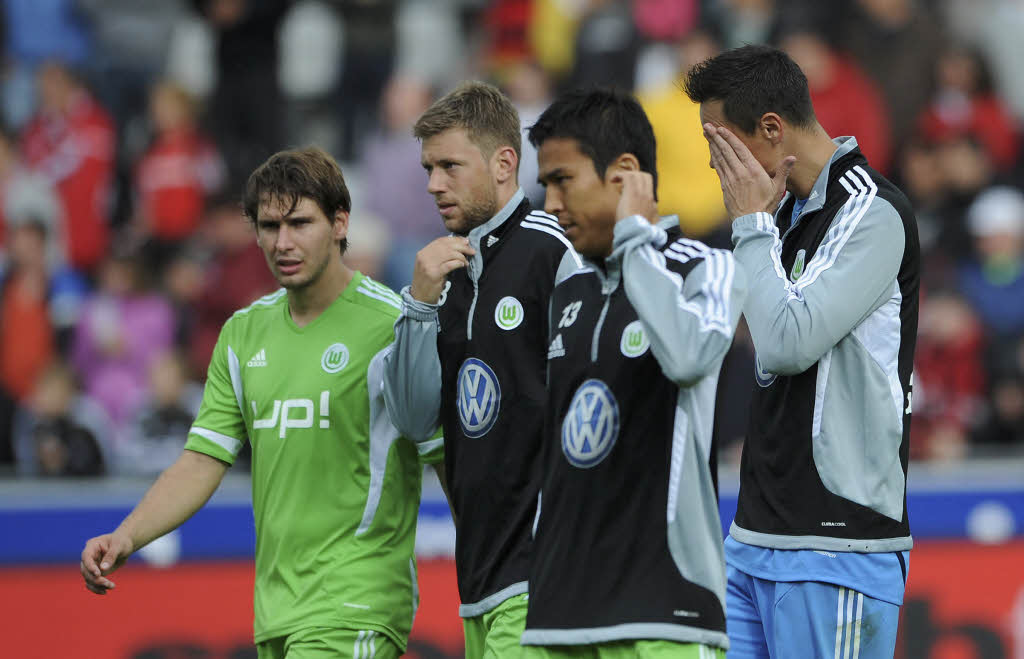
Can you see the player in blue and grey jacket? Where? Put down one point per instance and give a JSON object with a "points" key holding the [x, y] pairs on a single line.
{"points": [[817, 552], [627, 557]]}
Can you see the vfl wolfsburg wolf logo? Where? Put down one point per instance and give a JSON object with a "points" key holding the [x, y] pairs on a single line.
{"points": [[509, 313], [335, 358], [591, 425], [798, 265], [479, 398], [634, 340]]}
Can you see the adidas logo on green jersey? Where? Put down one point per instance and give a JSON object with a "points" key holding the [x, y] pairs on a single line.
{"points": [[259, 359]]}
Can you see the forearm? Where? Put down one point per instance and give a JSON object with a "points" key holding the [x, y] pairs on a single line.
{"points": [[793, 323], [412, 372], [177, 494]]}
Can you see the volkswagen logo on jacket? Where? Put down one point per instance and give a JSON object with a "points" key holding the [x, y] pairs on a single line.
{"points": [[591, 425], [479, 398]]}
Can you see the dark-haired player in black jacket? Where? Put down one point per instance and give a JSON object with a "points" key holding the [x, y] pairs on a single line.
{"points": [[628, 549]]}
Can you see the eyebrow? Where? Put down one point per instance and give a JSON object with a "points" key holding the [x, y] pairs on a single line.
{"points": [[287, 218], [426, 164], [545, 176]]}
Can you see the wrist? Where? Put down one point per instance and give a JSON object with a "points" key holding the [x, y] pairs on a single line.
{"points": [[417, 309], [125, 534], [418, 295]]}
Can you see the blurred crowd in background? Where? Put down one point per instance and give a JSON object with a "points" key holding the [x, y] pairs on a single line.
{"points": [[130, 126]]}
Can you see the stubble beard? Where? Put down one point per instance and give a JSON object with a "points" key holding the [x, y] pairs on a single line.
{"points": [[476, 212]]}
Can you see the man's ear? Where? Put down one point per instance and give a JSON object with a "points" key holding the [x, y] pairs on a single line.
{"points": [[505, 163], [340, 227], [771, 127], [626, 162]]}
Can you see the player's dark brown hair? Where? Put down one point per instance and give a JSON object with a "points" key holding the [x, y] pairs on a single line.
{"points": [[288, 176]]}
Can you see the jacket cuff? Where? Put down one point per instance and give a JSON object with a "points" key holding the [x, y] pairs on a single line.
{"points": [[636, 229], [760, 222], [416, 310]]}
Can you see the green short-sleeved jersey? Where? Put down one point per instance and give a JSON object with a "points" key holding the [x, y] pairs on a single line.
{"points": [[336, 491]]}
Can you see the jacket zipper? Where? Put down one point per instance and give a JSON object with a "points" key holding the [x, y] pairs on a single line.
{"points": [[472, 306]]}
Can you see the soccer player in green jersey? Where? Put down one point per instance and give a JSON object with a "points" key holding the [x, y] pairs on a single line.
{"points": [[298, 374]]}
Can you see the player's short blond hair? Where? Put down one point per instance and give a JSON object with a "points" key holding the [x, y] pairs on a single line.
{"points": [[482, 110]]}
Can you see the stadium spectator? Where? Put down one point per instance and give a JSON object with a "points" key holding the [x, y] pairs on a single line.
{"points": [[369, 244], [999, 26], [123, 328], [1002, 428], [71, 142], [235, 275], [552, 33], [393, 177], [367, 65], [993, 281], [28, 341], [175, 176], [922, 179], [432, 44], [506, 26], [832, 312], [327, 495], [60, 431], [964, 103], [846, 101], [665, 20], [24, 193], [40, 297], [34, 33], [739, 22], [130, 45], [155, 435], [183, 281], [648, 306], [895, 42], [966, 170], [529, 88], [473, 327], [949, 379], [682, 151], [245, 109], [606, 46]]}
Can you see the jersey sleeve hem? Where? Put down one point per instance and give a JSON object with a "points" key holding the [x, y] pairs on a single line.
{"points": [[213, 444]]}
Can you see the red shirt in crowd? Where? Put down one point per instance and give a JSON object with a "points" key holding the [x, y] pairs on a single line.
{"points": [[173, 180], [76, 151], [851, 104], [26, 335], [982, 117]]}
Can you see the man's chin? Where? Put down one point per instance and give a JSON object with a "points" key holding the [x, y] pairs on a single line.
{"points": [[591, 251], [291, 282], [456, 225]]}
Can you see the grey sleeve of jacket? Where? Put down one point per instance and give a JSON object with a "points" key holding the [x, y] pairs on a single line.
{"points": [[852, 273], [691, 320], [412, 371]]}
